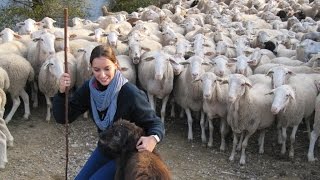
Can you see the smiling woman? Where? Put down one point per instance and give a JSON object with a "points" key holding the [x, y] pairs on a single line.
{"points": [[109, 96]]}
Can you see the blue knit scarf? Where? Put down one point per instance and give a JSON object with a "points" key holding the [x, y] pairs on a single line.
{"points": [[101, 100]]}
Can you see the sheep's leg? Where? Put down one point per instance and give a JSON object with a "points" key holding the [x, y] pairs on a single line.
{"points": [[34, 91], [307, 121], [163, 108], [85, 115], [25, 97], [172, 113], [5, 130], [190, 133], [152, 102], [261, 141], [223, 132], [243, 148], [279, 134], [181, 115], [15, 104], [234, 145], [3, 150], [202, 125], [211, 128], [49, 106], [240, 142], [292, 140], [284, 139], [313, 138]]}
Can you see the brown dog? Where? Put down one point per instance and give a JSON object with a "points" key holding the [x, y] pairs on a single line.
{"points": [[119, 142]]}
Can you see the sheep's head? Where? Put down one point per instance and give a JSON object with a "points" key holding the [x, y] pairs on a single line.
{"points": [[120, 138]]}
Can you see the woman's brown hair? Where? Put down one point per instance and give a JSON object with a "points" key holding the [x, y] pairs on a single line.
{"points": [[103, 51]]}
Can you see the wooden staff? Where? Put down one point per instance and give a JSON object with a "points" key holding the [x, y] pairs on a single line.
{"points": [[66, 47]]}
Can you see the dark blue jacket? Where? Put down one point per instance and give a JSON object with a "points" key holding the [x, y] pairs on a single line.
{"points": [[132, 104]]}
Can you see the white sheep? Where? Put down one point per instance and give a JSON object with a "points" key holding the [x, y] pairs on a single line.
{"points": [[188, 94], [316, 126], [221, 66], [20, 72], [264, 68], [28, 26], [37, 53], [306, 48], [155, 75], [248, 110], [127, 68], [50, 72], [215, 104], [242, 66], [291, 103], [3, 150]]}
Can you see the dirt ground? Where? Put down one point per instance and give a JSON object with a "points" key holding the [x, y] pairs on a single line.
{"points": [[39, 152]]}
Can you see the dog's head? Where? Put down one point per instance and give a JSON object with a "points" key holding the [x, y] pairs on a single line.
{"points": [[120, 138]]}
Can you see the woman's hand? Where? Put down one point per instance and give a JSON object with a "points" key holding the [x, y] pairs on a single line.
{"points": [[64, 82], [146, 143]]}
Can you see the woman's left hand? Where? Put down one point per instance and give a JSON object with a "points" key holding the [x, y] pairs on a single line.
{"points": [[146, 143]]}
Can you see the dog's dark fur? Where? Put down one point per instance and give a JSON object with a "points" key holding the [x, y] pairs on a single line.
{"points": [[119, 142]]}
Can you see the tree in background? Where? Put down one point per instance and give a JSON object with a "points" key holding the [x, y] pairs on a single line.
{"points": [[19, 10]]}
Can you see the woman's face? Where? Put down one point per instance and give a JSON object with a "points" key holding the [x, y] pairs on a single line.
{"points": [[103, 70]]}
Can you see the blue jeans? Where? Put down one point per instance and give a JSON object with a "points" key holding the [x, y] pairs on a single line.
{"points": [[97, 167]]}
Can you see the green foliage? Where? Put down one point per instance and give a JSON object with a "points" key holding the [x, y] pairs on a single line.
{"points": [[132, 5], [19, 11]]}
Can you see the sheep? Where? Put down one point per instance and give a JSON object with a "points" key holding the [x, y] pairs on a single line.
{"points": [[155, 75], [3, 101], [127, 68], [50, 72], [19, 72], [263, 69], [223, 48], [282, 51], [282, 75], [3, 150], [315, 36], [28, 26], [215, 102], [37, 53], [4, 129], [119, 142], [4, 79], [8, 34], [306, 48], [291, 103], [221, 66], [14, 46], [188, 94], [316, 126], [242, 66], [248, 110]]}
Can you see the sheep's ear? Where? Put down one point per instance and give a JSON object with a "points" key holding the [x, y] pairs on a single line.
{"points": [[224, 81], [233, 59], [59, 39], [17, 36], [248, 84], [209, 53], [184, 63], [270, 93], [122, 69], [251, 62], [230, 64], [81, 50], [36, 39], [146, 49], [269, 73], [91, 34], [291, 73], [149, 58], [72, 36], [292, 95]]}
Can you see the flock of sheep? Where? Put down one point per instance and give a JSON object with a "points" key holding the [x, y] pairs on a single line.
{"points": [[249, 63]]}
